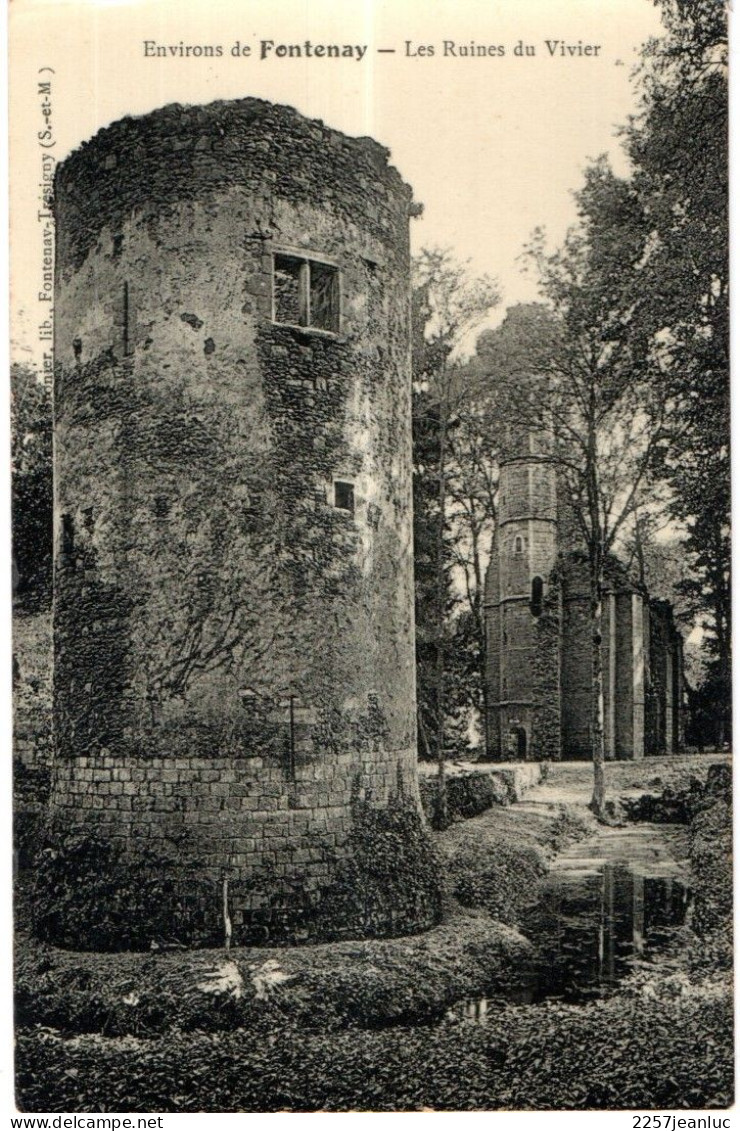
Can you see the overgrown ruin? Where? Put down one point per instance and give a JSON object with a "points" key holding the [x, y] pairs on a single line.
{"points": [[233, 616], [539, 631]]}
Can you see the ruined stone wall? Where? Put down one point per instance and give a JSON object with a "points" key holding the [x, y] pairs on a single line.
{"points": [[609, 658], [577, 674], [679, 692], [664, 722], [493, 657], [630, 676], [523, 657], [655, 713], [546, 674], [234, 642], [539, 670]]}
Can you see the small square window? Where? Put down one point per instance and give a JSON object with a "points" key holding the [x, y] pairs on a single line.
{"points": [[305, 293], [344, 496]]}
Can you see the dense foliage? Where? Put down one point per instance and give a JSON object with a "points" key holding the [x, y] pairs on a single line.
{"points": [[360, 1025], [389, 882], [711, 860], [624, 1053], [504, 884], [626, 367], [31, 487], [453, 500], [678, 147], [90, 894], [468, 795], [362, 984]]}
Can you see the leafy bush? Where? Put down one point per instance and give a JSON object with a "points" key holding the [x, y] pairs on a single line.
{"points": [[711, 863], [674, 805], [365, 984], [389, 882], [468, 795], [613, 1054], [503, 882], [707, 809], [88, 893], [568, 827], [28, 833]]}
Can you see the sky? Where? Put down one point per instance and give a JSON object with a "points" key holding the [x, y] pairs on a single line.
{"points": [[493, 144]]}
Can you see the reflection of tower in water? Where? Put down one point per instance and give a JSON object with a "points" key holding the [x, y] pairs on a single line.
{"points": [[591, 929]]}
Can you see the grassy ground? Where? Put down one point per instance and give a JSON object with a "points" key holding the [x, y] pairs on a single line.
{"points": [[571, 782], [363, 984], [623, 1053]]}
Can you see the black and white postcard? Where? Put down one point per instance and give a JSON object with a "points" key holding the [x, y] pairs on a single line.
{"points": [[370, 446]]}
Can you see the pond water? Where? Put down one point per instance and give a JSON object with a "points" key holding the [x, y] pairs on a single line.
{"points": [[591, 930], [591, 927]]}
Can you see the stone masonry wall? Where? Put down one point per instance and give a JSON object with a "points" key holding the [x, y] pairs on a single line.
{"points": [[493, 657], [663, 723], [233, 649], [630, 682], [523, 648], [546, 675], [539, 670], [577, 677]]}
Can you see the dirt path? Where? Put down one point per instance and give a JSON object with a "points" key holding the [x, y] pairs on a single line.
{"points": [[648, 849], [658, 851], [571, 783]]}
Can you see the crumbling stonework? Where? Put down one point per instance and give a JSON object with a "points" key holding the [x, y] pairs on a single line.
{"points": [[233, 635], [663, 702], [539, 632]]}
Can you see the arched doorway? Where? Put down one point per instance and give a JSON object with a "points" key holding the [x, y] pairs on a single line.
{"points": [[518, 743]]}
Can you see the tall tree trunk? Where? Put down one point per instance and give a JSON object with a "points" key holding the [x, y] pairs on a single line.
{"points": [[423, 735], [596, 572], [640, 550], [723, 633], [597, 700]]}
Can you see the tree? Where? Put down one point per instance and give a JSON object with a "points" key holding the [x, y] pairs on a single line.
{"points": [[31, 485], [447, 305], [639, 385], [574, 373], [472, 487]]}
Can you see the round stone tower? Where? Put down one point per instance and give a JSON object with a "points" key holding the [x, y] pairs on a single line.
{"points": [[233, 626], [522, 606]]}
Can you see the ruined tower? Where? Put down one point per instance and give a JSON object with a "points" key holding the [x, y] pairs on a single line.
{"points": [[539, 632], [233, 624]]}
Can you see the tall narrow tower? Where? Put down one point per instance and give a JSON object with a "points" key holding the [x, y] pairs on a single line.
{"points": [[522, 606]]}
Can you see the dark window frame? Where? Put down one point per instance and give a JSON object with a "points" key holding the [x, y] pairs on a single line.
{"points": [[338, 487], [311, 274], [537, 596]]}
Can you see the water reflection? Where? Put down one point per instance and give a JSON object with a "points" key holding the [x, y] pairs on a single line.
{"points": [[590, 928]]}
